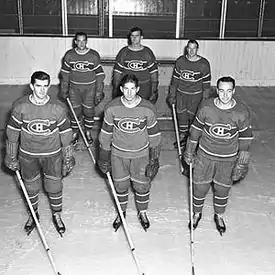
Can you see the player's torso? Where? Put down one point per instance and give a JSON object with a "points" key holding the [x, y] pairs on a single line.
{"points": [[190, 74]]}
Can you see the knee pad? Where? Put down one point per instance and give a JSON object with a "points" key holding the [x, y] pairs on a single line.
{"points": [[52, 184], [122, 186], [141, 188], [33, 185]]}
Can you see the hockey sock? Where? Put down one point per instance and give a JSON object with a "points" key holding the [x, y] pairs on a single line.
{"points": [[142, 201], [123, 200], [55, 201]]}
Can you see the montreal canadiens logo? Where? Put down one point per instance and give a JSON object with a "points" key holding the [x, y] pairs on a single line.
{"points": [[136, 65], [82, 66], [187, 75], [129, 125], [39, 127], [220, 131]]}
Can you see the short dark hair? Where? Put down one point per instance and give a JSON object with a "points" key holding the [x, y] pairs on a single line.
{"points": [[193, 41], [134, 29], [129, 78], [40, 75], [81, 34], [226, 79]]}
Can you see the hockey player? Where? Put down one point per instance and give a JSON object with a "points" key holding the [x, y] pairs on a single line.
{"points": [[218, 147], [39, 144], [190, 83], [130, 147], [82, 81], [139, 60]]}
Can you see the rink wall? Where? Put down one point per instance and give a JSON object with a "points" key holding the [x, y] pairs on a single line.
{"points": [[250, 62]]}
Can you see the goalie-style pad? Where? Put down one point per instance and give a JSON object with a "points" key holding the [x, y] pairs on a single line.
{"points": [[152, 168], [189, 151], [68, 160]]}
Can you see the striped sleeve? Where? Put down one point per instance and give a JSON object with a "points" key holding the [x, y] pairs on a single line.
{"points": [[197, 126], [153, 130], [119, 67], [63, 125], [65, 72], [14, 125], [176, 75], [99, 73], [152, 64], [106, 132], [245, 131], [206, 77]]}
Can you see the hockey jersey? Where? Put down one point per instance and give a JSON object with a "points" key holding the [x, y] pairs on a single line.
{"points": [[81, 68], [191, 76], [41, 129], [142, 63], [221, 134], [129, 132]]}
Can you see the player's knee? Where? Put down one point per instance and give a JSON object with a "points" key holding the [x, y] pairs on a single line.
{"points": [[53, 184], [141, 187], [122, 186], [33, 185]]}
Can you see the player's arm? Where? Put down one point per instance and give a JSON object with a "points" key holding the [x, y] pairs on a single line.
{"points": [[154, 136], [105, 141], [65, 77], [245, 140], [206, 80], [13, 131], [154, 75], [119, 69], [171, 97], [66, 136], [194, 136], [100, 76]]}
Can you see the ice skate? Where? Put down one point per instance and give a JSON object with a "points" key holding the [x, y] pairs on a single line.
{"points": [[143, 219], [196, 220], [58, 223], [75, 138], [89, 137], [118, 222], [30, 224], [220, 224]]}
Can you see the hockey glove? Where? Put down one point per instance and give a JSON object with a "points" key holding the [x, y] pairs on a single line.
{"points": [[99, 96], [11, 160], [241, 168], [152, 168], [64, 94], [171, 97], [104, 161], [68, 160], [189, 153], [154, 97]]}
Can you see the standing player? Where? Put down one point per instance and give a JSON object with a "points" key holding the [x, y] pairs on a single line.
{"points": [[39, 144], [139, 60], [82, 79], [190, 83], [130, 147], [218, 146]]}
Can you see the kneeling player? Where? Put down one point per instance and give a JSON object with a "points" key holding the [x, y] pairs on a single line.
{"points": [[38, 143], [130, 147], [218, 147]]}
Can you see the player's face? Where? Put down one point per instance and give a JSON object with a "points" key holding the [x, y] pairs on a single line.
{"points": [[40, 88], [225, 92], [81, 42], [192, 49], [129, 91], [136, 38]]}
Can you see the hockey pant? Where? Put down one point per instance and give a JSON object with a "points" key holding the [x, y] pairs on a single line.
{"points": [[82, 98], [186, 109], [131, 171], [205, 173], [50, 167]]}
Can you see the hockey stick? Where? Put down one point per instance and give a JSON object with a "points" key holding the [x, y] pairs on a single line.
{"points": [[191, 218], [81, 131], [36, 222], [126, 230], [177, 135]]}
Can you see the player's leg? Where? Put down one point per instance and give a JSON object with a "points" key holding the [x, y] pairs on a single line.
{"points": [[192, 106], [54, 187], [30, 170], [202, 177], [141, 186], [145, 90], [121, 178], [182, 116], [222, 185], [88, 105], [75, 98]]}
